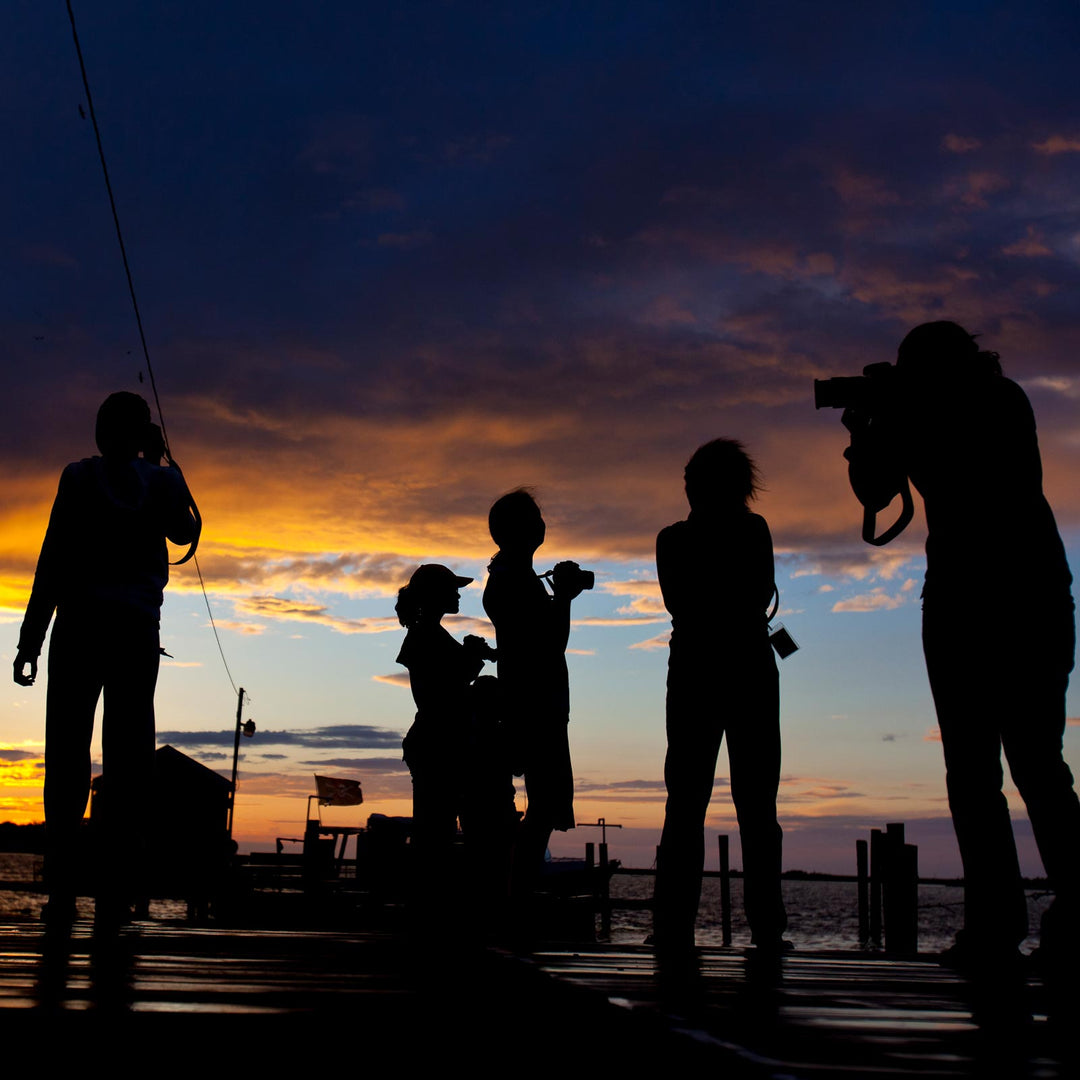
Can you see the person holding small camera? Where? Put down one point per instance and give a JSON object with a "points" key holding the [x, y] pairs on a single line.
{"points": [[440, 747], [532, 627], [716, 576], [998, 622], [102, 569]]}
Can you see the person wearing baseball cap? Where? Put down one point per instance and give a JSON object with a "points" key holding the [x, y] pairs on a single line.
{"points": [[438, 747]]}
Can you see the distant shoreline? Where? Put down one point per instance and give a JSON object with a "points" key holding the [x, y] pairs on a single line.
{"points": [[813, 875]]}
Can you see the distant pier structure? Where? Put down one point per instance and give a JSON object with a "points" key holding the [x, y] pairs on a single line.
{"points": [[888, 876]]}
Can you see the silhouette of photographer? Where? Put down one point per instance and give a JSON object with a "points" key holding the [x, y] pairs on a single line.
{"points": [[998, 624], [103, 568], [440, 747], [532, 627], [716, 576]]}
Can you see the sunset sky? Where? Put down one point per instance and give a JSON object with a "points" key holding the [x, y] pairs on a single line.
{"points": [[396, 259]]}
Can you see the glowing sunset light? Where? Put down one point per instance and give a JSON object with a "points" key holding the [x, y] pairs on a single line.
{"points": [[379, 293]]}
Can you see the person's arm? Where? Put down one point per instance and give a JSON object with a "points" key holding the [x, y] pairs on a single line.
{"points": [[876, 470], [45, 593], [763, 567], [566, 586], [181, 526], [671, 570]]}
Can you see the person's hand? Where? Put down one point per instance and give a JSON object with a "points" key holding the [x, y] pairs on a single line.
{"points": [[478, 645], [21, 660], [856, 421], [567, 580], [154, 450]]}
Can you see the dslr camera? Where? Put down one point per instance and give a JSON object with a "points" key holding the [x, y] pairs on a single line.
{"points": [[571, 576], [872, 391]]}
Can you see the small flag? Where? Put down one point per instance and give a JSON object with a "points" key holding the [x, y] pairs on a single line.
{"points": [[334, 791]]}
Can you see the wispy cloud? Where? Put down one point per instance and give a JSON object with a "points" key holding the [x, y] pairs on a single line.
{"points": [[373, 764], [345, 736], [875, 600], [615, 620], [644, 596], [960, 144], [395, 678], [1058, 144], [658, 642]]}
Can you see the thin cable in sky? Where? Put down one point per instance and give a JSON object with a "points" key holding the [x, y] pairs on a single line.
{"points": [[135, 305]]}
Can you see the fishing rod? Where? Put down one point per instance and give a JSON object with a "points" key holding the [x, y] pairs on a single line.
{"points": [[142, 336]]}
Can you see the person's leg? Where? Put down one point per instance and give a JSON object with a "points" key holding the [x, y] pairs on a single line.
{"points": [[549, 787], [965, 681], [73, 691], [1033, 740], [127, 752], [753, 733], [694, 738]]}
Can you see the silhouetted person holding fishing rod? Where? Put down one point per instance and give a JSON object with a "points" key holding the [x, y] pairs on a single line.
{"points": [[532, 627], [716, 576], [998, 626], [102, 569]]}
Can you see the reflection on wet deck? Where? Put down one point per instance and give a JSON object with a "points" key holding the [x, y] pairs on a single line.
{"points": [[805, 1015]]}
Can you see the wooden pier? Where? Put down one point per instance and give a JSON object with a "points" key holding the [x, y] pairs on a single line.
{"points": [[283, 998]]}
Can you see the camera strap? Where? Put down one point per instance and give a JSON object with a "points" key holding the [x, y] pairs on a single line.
{"points": [[907, 512], [194, 508], [190, 554]]}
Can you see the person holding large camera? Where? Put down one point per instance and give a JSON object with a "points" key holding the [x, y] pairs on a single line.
{"points": [[102, 569], [998, 618], [716, 576], [532, 627]]}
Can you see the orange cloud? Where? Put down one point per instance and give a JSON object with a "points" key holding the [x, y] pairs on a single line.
{"points": [[863, 190], [1058, 144], [875, 600], [645, 595], [658, 642], [279, 607], [1031, 246], [397, 678], [960, 144]]}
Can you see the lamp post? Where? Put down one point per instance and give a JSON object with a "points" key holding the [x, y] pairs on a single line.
{"points": [[247, 729]]}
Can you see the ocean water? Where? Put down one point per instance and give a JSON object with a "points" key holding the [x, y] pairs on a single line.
{"points": [[821, 914], [21, 895]]}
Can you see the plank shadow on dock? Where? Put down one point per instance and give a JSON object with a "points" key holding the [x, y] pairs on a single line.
{"points": [[279, 999]]}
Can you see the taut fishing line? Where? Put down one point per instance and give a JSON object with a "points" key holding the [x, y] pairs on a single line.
{"points": [[139, 323]]}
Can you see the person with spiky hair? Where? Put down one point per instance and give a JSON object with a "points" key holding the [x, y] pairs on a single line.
{"points": [[532, 627], [102, 569], [716, 576]]}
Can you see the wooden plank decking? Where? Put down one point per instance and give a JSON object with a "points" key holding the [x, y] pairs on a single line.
{"points": [[287, 998]]}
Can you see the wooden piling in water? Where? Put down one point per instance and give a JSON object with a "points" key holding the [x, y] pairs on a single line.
{"points": [[877, 873], [725, 889], [862, 870], [605, 892]]}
